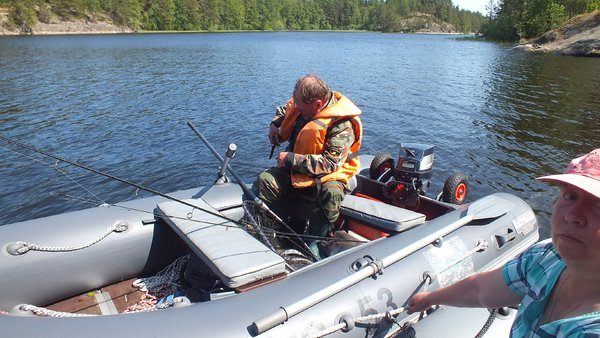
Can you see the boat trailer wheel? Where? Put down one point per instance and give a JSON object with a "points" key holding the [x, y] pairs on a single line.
{"points": [[381, 163], [456, 189]]}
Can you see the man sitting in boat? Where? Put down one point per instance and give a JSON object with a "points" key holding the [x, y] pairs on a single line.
{"points": [[324, 134]]}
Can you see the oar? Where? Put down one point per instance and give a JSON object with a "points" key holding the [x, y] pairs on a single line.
{"points": [[486, 208], [249, 192]]}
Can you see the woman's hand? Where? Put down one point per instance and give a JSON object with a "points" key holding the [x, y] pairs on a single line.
{"points": [[419, 303]]}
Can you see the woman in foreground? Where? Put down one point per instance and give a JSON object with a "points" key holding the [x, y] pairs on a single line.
{"points": [[556, 281]]}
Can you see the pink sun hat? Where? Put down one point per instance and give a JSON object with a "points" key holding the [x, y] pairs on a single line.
{"points": [[583, 173]]}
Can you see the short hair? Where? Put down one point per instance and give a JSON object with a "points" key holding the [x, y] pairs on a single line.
{"points": [[310, 88]]}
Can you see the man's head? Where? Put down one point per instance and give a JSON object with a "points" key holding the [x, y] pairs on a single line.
{"points": [[310, 95]]}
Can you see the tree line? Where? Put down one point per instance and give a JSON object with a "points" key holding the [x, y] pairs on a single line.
{"points": [[216, 15], [514, 20]]}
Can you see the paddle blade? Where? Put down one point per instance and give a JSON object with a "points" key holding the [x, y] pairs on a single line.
{"points": [[489, 207]]}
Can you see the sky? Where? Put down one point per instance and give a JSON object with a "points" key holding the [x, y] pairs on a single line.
{"points": [[472, 5]]}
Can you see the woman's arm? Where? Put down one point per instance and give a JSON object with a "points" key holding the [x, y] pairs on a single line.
{"points": [[486, 289]]}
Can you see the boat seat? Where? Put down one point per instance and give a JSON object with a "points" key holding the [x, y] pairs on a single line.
{"points": [[231, 253], [382, 216]]}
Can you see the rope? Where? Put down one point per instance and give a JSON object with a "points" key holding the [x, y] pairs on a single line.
{"points": [[160, 285], [118, 226], [349, 324], [487, 324], [364, 319], [155, 287], [40, 311], [150, 305], [43, 312]]}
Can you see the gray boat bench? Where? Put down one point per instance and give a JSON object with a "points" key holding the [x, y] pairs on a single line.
{"points": [[238, 259], [381, 216]]}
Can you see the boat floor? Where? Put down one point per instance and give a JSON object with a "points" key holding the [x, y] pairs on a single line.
{"points": [[112, 299], [122, 296]]}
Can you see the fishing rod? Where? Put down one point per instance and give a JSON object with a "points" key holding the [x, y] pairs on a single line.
{"points": [[141, 187], [249, 192]]}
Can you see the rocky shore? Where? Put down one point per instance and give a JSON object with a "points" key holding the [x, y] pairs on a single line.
{"points": [[56, 27], [580, 36]]}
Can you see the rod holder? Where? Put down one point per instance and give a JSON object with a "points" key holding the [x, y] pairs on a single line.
{"points": [[229, 154]]}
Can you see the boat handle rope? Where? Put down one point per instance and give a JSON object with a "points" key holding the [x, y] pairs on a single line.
{"points": [[25, 309], [21, 247], [347, 324]]}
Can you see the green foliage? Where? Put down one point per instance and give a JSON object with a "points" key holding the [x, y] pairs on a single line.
{"points": [[594, 5], [66, 9], [384, 15], [126, 12], [512, 20], [187, 15], [22, 13]]}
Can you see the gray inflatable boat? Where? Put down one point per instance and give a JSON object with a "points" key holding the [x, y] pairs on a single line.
{"points": [[72, 275]]}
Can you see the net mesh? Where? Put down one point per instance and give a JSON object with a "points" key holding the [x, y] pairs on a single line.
{"points": [[261, 224]]}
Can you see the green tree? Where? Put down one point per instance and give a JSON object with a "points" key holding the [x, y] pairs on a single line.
{"points": [[22, 13], [212, 11], [44, 12], [252, 15], [233, 15], [160, 15], [127, 13], [593, 5], [67, 9], [187, 15], [270, 12]]}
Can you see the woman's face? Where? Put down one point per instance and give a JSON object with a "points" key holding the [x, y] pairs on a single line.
{"points": [[576, 225]]}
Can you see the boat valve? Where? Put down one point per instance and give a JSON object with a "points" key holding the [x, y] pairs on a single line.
{"points": [[16, 248], [121, 226]]}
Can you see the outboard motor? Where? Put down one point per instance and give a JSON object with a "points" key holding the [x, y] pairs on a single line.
{"points": [[411, 175]]}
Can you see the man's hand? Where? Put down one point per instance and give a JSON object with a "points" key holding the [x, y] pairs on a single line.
{"points": [[274, 134], [281, 159]]}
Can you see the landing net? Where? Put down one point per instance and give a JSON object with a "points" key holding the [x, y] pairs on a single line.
{"points": [[269, 231]]}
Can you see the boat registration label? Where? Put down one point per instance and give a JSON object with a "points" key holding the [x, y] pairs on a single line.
{"points": [[451, 261]]}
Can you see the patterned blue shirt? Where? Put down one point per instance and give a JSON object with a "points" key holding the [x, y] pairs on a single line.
{"points": [[533, 275]]}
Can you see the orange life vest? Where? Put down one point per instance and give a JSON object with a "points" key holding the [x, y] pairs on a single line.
{"points": [[311, 138]]}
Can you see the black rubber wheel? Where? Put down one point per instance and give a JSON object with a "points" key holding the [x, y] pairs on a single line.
{"points": [[381, 162], [456, 189]]}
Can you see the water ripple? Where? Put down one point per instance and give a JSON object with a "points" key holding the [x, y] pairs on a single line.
{"points": [[120, 104]]}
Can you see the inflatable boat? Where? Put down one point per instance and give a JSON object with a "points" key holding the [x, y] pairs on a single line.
{"points": [[90, 272]]}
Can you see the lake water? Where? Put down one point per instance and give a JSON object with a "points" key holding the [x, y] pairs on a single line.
{"points": [[120, 103]]}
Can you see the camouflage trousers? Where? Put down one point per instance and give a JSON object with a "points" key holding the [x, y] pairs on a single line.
{"points": [[322, 206]]}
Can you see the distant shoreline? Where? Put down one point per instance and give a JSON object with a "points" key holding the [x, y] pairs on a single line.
{"points": [[124, 31], [82, 27]]}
